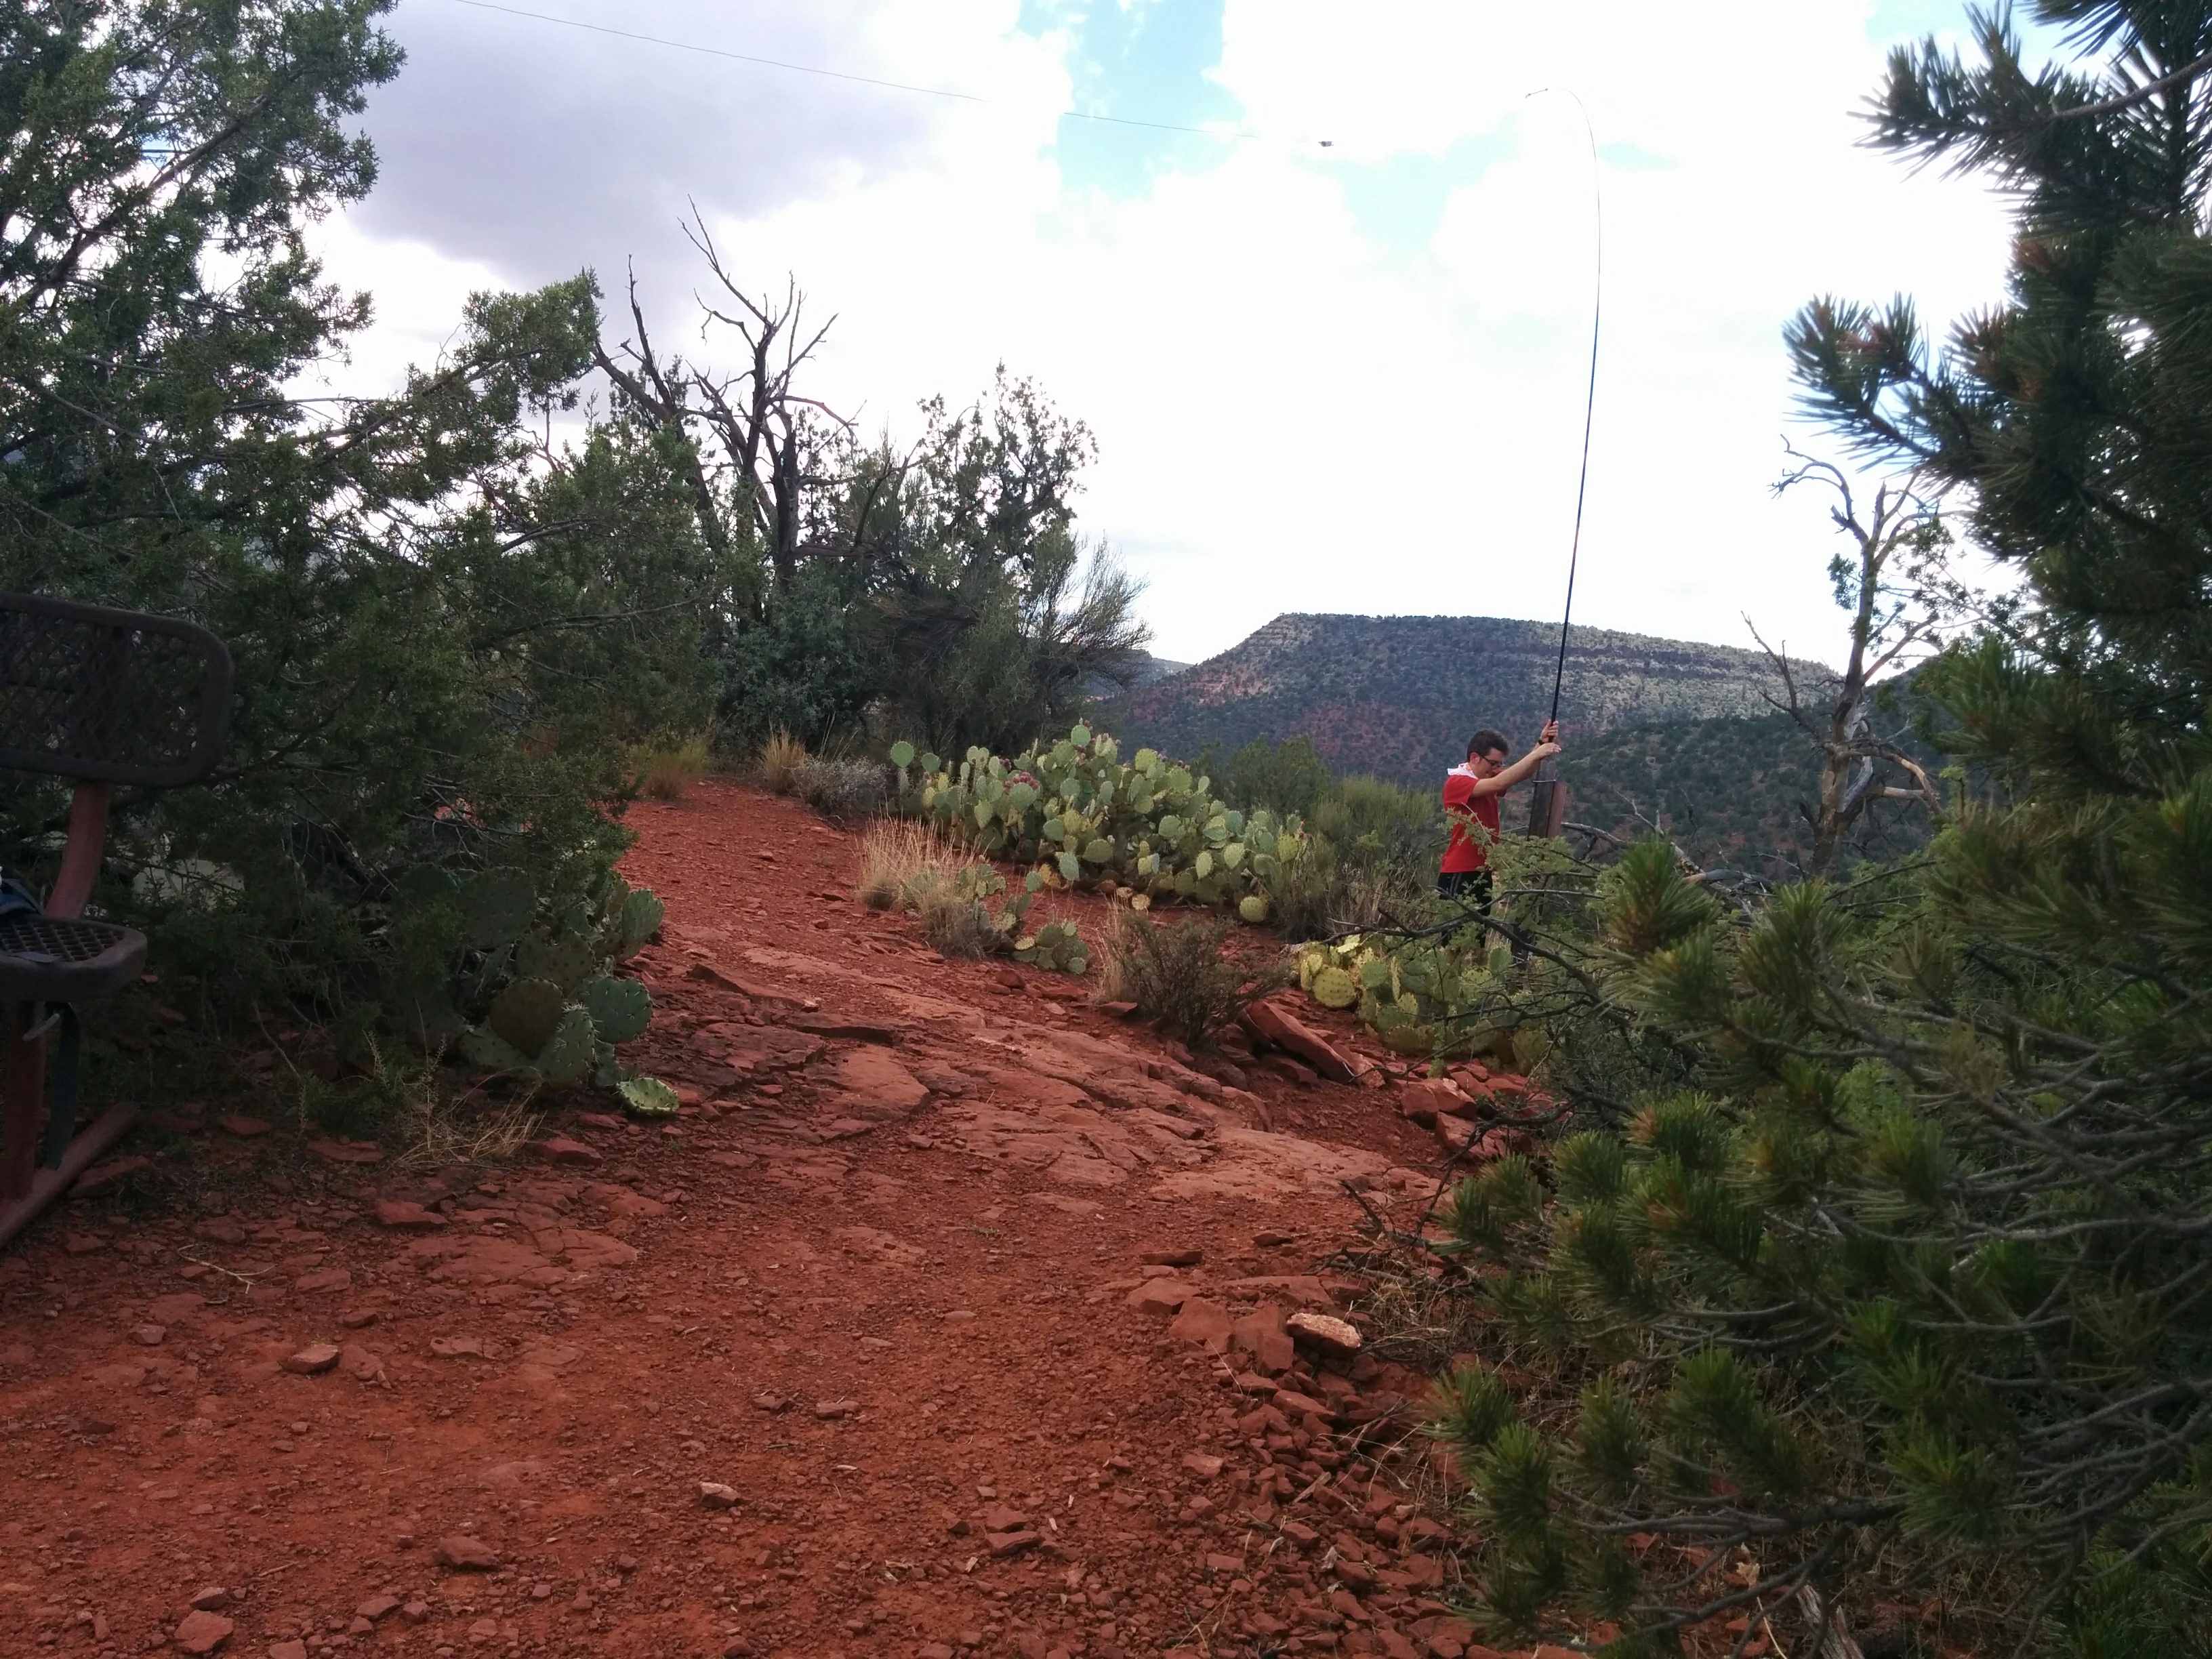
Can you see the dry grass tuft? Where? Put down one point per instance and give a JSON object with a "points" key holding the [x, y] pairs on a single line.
{"points": [[666, 774], [895, 854], [905, 866], [781, 757], [447, 1132], [845, 791], [954, 924], [1181, 975]]}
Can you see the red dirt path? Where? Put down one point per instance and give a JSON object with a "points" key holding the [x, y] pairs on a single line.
{"points": [[878, 1285]]}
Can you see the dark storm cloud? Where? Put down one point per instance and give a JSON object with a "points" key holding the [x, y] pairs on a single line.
{"points": [[537, 148]]}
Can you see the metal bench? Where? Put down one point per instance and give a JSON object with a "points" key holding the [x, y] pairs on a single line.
{"points": [[105, 697]]}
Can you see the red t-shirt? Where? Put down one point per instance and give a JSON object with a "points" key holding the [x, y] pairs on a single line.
{"points": [[1465, 853]]}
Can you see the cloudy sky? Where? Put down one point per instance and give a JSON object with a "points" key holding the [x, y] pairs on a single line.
{"points": [[1340, 377]]}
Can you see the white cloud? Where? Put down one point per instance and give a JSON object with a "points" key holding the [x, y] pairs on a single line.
{"points": [[1290, 416]]}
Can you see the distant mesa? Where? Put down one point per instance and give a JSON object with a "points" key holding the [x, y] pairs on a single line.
{"points": [[1396, 696], [1150, 670]]}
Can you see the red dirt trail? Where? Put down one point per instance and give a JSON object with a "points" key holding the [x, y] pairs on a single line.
{"points": [[863, 1356]]}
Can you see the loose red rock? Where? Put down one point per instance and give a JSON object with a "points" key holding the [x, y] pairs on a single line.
{"points": [[467, 1555], [311, 1360], [346, 1151], [1160, 1296], [202, 1632], [1269, 1020], [1204, 1320], [1338, 1337], [401, 1212], [559, 1149]]}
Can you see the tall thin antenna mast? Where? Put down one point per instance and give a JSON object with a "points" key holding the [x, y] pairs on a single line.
{"points": [[1549, 805]]}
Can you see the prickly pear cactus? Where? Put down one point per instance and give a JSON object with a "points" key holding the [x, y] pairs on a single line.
{"points": [[541, 978], [1055, 945], [1079, 812], [620, 1008], [527, 1013], [566, 960], [1333, 988], [648, 1096], [485, 1050], [641, 917], [569, 1054]]}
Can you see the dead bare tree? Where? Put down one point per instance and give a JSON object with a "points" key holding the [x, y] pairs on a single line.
{"points": [[1895, 585], [763, 443]]}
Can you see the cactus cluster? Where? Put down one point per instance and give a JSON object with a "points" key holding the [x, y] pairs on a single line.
{"points": [[1085, 817], [553, 1009], [1055, 945], [1420, 997]]}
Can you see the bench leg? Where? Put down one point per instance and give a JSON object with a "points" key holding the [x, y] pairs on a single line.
{"points": [[22, 1101]]}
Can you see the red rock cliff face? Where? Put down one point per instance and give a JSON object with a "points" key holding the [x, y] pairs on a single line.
{"points": [[1396, 696]]}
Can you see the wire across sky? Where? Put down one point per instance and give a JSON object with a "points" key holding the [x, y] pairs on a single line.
{"points": [[840, 74]]}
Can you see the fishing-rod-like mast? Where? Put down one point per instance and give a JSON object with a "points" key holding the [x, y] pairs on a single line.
{"points": [[1547, 808]]}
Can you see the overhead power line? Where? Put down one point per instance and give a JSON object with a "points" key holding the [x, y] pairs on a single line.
{"points": [[838, 74]]}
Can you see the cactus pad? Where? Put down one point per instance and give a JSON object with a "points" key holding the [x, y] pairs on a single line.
{"points": [[640, 920], [621, 1009], [1253, 909], [568, 1056], [1333, 988], [526, 1014], [648, 1096], [566, 962], [487, 1050]]}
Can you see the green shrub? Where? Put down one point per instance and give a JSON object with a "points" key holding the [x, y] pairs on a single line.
{"points": [[1184, 976], [844, 791], [446, 640]]}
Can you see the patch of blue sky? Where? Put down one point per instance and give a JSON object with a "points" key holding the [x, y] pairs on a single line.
{"points": [[1908, 22], [1137, 61], [1397, 203]]}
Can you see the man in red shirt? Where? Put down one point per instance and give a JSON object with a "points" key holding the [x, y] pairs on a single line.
{"points": [[1471, 796]]}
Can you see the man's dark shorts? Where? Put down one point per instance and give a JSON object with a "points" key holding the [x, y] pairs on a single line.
{"points": [[1470, 887]]}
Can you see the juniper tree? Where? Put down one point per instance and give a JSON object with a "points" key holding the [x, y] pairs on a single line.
{"points": [[446, 634], [1920, 1270]]}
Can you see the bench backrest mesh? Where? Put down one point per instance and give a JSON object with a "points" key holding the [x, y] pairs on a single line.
{"points": [[116, 696]]}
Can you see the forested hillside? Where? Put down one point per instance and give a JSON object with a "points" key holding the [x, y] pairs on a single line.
{"points": [[1732, 792]]}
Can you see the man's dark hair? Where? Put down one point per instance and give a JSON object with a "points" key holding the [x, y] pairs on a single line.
{"points": [[1485, 740]]}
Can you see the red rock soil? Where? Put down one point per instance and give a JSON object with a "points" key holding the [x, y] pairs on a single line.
{"points": [[914, 1337]]}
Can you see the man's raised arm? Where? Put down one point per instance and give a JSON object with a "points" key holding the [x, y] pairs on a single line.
{"points": [[1500, 782]]}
